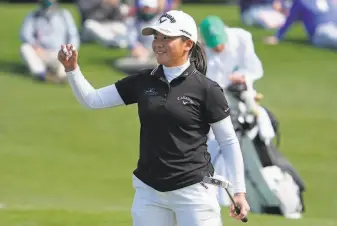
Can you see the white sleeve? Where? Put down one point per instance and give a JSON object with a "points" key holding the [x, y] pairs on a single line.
{"points": [[250, 64], [230, 148], [90, 97]]}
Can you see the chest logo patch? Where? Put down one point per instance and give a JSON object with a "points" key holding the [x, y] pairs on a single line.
{"points": [[185, 100], [150, 92]]}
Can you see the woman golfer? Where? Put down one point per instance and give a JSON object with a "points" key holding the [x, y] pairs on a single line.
{"points": [[177, 105]]}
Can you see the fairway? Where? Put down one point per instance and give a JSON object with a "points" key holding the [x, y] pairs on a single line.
{"points": [[64, 165]]}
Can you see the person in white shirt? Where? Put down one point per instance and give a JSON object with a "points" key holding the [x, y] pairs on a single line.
{"points": [[147, 12], [42, 31], [232, 59], [103, 22], [177, 105], [230, 53]]}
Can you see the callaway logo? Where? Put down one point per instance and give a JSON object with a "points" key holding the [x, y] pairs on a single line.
{"points": [[185, 100], [150, 92], [162, 20], [166, 16]]}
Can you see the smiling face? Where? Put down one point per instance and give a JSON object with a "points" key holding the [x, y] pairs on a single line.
{"points": [[171, 51]]}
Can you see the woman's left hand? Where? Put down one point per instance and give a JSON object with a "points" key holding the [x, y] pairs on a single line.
{"points": [[240, 200]]}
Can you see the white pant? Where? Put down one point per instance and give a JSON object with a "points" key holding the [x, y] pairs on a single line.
{"points": [[194, 205], [107, 33], [40, 64], [326, 35], [263, 16]]}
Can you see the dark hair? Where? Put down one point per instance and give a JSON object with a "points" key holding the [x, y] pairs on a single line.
{"points": [[198, 57]]}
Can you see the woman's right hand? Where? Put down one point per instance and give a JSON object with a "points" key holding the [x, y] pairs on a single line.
{"points": [[68, 55]]}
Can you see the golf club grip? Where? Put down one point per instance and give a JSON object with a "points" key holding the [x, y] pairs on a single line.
{"points": [[237, 211]]}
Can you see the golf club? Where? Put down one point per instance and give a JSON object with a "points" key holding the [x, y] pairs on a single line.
{"points": [[225, 185]]}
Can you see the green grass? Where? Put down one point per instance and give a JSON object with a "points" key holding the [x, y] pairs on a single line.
{"points": [[61, 164]]}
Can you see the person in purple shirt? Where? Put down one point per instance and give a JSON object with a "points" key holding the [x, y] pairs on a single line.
{"points": [[319, 18], [267, 14]]}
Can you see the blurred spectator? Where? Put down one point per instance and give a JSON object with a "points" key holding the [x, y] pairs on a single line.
{"points": [[167, 5], [42, 33], [163, 5], [147, 12], [267, 14], [103, 22], [231, 57], [173, 4], [319, 18]]}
